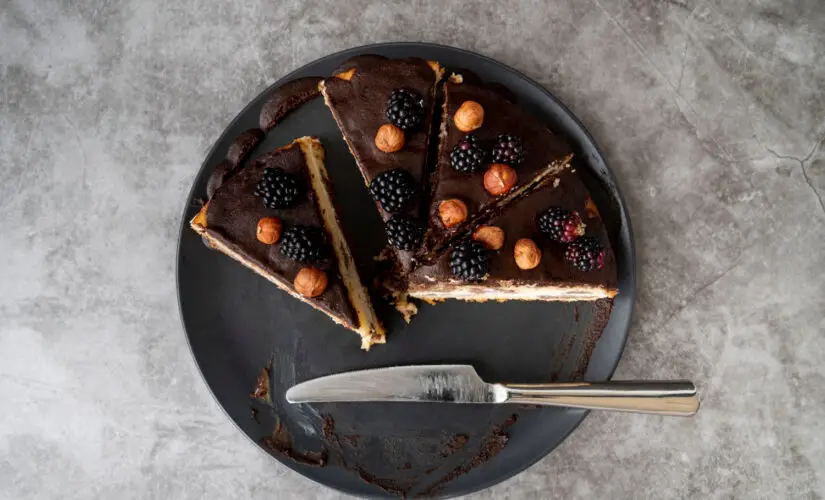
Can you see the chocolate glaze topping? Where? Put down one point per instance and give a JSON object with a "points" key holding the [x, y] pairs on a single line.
{"points": [[288, 98], [232, 217], [359, 106], [520, 220], [501, 116]]}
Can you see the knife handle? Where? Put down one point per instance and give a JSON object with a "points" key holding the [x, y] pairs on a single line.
{"points": [[659, 398]]}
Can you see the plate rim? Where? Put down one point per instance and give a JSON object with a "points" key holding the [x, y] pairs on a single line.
{"points": [[622, 205]]}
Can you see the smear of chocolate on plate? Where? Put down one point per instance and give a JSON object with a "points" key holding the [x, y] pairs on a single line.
{"points": [[391, 486], [453, 444], [601, 317], [261, 391], [491, 445], [280, 443]]}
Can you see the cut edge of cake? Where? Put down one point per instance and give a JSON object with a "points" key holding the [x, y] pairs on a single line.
{"points": [[477, 292]]}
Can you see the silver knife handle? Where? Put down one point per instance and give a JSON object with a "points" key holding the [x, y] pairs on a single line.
{"points": [[660, 398]]}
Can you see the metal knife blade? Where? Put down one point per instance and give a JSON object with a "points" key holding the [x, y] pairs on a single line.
{"points": [[442, 383]]}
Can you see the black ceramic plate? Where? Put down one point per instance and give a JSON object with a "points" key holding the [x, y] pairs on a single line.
{"points": [[237, 323]]}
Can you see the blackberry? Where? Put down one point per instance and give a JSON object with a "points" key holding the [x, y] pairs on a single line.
{"points": [[585, 254], [508, 149], [405, 109], [468, 155], [470, 260], [303, 243], [404, 233], [561, 225], [394, 190], [279, 189]]}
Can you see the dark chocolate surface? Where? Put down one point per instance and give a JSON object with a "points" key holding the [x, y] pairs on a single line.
{"points": [[222, 171], [287, 98], [361, 62], [243, 145], [520, 220], [233, 213], [359, 106], [501, 116]]}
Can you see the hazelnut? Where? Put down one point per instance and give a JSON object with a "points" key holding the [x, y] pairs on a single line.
{"points": [[591, 209], [452, 212], [469, 116], [389, 138], [310, 282], [527, 254], [269, 230], [491, 237], [499, 178]]}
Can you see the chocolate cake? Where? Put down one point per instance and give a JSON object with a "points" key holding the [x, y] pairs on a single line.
{"points": [[277, 217], [384, 108], [491, 150], [549, 244]]}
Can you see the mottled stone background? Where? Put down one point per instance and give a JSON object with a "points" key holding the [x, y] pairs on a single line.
{"points": [[712, 114]]}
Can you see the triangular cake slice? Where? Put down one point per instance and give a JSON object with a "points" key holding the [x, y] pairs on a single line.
{"points": [[277, 217], [491, 150], [551, 245], [384, 108]]}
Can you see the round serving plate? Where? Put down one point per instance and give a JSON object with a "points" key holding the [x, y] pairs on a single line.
{"points": [[238, 323]]}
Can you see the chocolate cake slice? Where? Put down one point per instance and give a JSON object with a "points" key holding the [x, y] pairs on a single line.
{"points": [[491, 151], [277, 217], [550, 244], [384, 108]]}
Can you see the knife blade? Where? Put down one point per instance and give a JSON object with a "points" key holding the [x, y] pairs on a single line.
{"points": [[435, 383], [461, 384]]}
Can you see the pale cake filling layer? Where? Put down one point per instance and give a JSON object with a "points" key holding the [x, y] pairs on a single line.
{"points": [[480, 292], [371, 329]]}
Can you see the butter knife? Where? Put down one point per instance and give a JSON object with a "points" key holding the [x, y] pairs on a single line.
{"points": [[461, 384]]}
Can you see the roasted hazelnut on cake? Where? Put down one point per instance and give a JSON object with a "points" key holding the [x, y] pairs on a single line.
{"points": [[310, 282], [470, 116], [527, 254], [389, 138], [491, 237], [268, 230], [452, 212], [499, 179]]}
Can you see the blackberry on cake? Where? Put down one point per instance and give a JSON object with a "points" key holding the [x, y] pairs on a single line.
{"points": [[508, 149], [561, 225], [585, 254], [303, 243], [393, 99], [278, 189], [404, 233], [468, 155], [470, 260], [394, 189], [405, 109]]}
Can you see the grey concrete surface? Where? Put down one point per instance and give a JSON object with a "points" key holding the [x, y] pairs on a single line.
{"points": [[711, 112]]}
